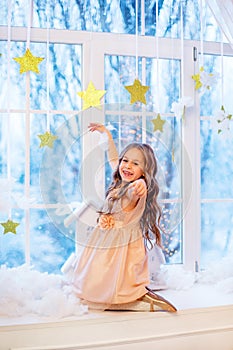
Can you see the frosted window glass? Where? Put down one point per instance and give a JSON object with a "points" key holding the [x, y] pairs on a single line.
{"points": [[216, 229]]}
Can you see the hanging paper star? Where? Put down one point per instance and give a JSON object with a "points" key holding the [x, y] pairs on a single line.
{"points": [[9, 226], [28, 62], [137, 92], [196, 78], [158, 123], [91, 97], [179, 107], [47, 139], [204, 80], [221, 122]]}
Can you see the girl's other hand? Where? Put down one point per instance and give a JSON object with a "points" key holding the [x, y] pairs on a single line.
{"points": [[138, 188], [97, 127]]}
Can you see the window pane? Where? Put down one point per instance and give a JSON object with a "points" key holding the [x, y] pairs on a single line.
{"points": [[19, 12], [169, 19], [12, 246], [172, 237], [167, 147], [90, 15], [216, 169], [51, 242], [12, 147], [13, 96], [65, 77], [212, 99], [115, 17], [119, 72], [59, 167], [64, 80], [216, 230], [162, 77]]}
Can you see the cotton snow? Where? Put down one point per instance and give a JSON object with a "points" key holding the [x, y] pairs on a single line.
{"points": [[25, 291]]}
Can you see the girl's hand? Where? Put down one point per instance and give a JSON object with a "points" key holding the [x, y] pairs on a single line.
{"points": [[97, 127], [138, 188], [106, 221]]}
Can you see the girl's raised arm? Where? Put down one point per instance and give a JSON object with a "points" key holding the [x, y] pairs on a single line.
{"points": [[112, 150]]}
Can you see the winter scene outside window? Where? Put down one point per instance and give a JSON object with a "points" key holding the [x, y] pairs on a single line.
{"points": [[32, 104]]}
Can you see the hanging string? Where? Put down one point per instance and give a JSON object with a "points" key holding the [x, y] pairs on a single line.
{"points": [[27, 114], [157, 52], [29, 24], [47, 67], [172, 76], [136, 37], [144, 119], [27, 141], [8, 102], [182, 48], [201, 34], [222, 71]]}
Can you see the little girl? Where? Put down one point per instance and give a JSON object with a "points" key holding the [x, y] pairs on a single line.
{"points": [[112, 272]]}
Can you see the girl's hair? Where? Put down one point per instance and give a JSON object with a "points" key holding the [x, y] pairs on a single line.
{"points": [[150, 219]]}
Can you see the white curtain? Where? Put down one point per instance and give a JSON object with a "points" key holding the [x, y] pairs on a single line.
{"points": [[223, 13]]}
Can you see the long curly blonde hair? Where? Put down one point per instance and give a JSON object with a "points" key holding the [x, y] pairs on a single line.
{"points": [[150, 220]]}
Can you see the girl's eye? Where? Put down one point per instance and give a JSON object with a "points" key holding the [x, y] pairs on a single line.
{"points": [[124, 160], [135, 163]]}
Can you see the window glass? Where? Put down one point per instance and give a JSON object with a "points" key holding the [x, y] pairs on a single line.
{"points": [[118, 74], [216, 232], [60, 166], [13, 147], [19, 11], [15, 95], [162, 78], [12, 246], [211, 100], [216, 169], [65, 76], [4, 120], [169, 19], [167, 147], [87, 15], [51, 243], [115, 17], [62, 81]]}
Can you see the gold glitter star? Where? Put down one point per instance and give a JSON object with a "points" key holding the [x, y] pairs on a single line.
{"points": [[137, 92], [28, 62], [91, 97], [158, 123], [9, 226], [47, 139]]}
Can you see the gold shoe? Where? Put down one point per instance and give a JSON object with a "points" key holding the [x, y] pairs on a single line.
{"points": [[157, 301], [137, 305]]}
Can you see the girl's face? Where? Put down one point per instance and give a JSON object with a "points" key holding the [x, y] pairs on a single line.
{"points": [[132, 165]]}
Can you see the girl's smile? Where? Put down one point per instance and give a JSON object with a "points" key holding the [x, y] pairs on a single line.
{"points": [[132, 164]]}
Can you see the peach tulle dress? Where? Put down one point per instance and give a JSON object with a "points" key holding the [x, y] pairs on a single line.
{"points": [[113, 266]]}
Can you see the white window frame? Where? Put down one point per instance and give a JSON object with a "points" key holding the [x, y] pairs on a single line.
{"points": [[95, 46]]}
